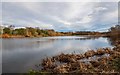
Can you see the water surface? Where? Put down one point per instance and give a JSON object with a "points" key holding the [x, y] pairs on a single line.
{"points": [[21, 54]]}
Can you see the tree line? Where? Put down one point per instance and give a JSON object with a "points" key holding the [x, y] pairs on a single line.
{"points": [[28, 32], [37, 32], [114, 31], [114, 35]]}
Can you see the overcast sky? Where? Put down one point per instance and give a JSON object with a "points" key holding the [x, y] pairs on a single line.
{"points": [[61, 16]]}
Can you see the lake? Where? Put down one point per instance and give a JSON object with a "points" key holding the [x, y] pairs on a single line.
{"points": [[19, 55]]}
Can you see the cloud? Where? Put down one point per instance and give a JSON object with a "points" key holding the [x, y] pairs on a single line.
{"points": [[60, 0], [101, 9], [61, 16], [64, 22], [86, 19]]}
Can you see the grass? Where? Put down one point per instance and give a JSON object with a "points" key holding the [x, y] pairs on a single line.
{"points": [[116, 63]]}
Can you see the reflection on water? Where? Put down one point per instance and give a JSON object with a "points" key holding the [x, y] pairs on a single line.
{"points": [[20, 55], [113, 40]]}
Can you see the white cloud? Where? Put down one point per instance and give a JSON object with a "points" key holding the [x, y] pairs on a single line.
{"points": [[101, 9], [64, 15], [86, 19], [43, 25], [64, 22], [111, 15], [55, 18], [60, 0], [78, 10]]}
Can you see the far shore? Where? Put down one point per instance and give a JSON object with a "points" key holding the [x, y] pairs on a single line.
{"points": [[20, 36]]}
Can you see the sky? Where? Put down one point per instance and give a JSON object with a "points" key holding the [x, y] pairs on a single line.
{"points": [[61, 16]]}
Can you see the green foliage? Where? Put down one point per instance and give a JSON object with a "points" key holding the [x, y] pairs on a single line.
{"points": [[33, 72], [0, 31], [44, 31], [20, 31], [6, 30], [32, 31], [27, 32], [116, 63], [38, 31]]}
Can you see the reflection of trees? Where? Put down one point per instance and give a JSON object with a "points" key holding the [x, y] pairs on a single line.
{"points": [[85, 38], [113, 40], [114, 35]]}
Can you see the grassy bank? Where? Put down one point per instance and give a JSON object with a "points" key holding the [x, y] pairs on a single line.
{"points": [[103, 60]]}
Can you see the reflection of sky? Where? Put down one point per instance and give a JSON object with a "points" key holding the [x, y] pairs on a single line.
{"points": [[23, 54]]}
